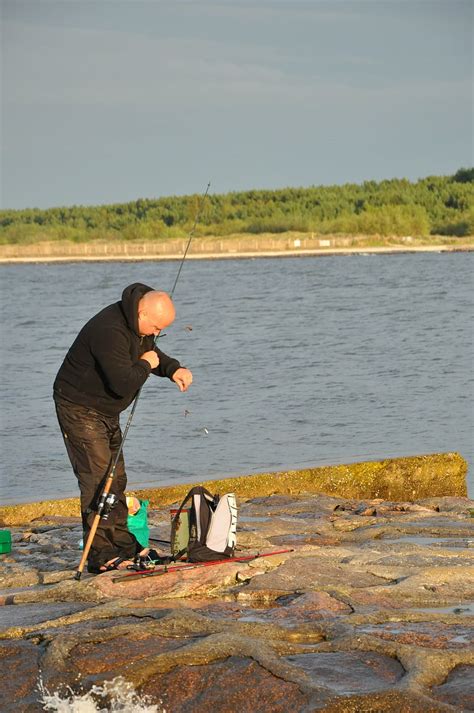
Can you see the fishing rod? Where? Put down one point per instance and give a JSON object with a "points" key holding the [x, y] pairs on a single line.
{"points": [[185, 566], [107, 499]]}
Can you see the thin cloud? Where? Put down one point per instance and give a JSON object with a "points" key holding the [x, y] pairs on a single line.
{"points": [[116, 68]]}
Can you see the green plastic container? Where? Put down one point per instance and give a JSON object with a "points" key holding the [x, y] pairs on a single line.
{"points": [[138, 524], [5, 542]]}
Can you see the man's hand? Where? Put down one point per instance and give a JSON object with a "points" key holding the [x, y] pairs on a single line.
{"points": [[152, 358], [183, 378]]}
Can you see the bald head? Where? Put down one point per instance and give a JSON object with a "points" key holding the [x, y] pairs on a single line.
{"points": [[155, 312]]}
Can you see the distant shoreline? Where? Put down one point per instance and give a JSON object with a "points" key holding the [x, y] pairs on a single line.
{"points": [[238, 254]]}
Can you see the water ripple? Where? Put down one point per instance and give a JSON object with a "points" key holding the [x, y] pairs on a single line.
{"points": [[366, 359]]}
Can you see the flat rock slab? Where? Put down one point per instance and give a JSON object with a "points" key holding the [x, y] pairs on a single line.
{"points": [[304, 608], [198, 581], [441, 525], [20, 674], [271, 505], [29, 614], [420, 560], [56, 520], [84, 628], [317, 539], [350, 672], [18, 577], [289, 611], [431, 587], [112, 656], [308, 573], [432, 635], [397, 701], [368, 586], [235, 684], [429, 541], [458, 689]]}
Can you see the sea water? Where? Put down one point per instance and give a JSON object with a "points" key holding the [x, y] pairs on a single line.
{"points": [[297, 362]]}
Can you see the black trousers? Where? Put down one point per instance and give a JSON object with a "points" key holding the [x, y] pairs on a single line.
{"points": [[92, 441]]}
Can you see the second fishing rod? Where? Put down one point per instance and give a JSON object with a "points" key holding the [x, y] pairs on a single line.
{"points": [[107, 499]]}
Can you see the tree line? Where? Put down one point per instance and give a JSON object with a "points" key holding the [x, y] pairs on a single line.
{"points": [[436, 205]]}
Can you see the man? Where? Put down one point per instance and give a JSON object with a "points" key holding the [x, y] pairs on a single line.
{"points": [[110, 360]]}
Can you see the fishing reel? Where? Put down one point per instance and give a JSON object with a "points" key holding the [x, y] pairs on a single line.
{"points": [[106, 504], [149, 561]]}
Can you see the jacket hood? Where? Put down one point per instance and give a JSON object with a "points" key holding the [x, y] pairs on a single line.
{"points": [[131, 296]]}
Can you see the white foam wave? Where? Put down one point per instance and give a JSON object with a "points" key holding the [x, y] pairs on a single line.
{"points": [[115, 696]]}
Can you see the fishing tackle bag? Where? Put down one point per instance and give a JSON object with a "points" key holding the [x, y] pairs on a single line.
{"points": [[212, 526]]}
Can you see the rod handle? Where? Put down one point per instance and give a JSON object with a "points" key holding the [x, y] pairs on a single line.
{"points": [[87, 547]]}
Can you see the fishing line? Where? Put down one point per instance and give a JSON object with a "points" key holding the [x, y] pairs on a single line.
{"points": [[107, 499], [198, 215]]}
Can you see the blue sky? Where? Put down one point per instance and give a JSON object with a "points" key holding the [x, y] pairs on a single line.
{"points": [[106, 101]]}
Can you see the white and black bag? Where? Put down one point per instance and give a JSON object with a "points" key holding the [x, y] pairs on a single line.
{"points": [[212, 526]]}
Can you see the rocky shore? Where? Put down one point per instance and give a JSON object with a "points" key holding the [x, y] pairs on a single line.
{"points": [[371, 610]]}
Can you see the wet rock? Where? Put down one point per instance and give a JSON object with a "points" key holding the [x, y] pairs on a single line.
{"points": [[302, 608], [381, 508], [235, 684], [350, 672], [441, 526], [307, 573], [411, 554], [20, 670], [40, 539], [253, 541], [434, 586], [100, 631], [64, 591], [39, 529], [57, 521], [348, 524], [320, 602], [247, 574], [449, 504], [196, 581], [398, 701], [316, 539], [113, 656], [28, 614], [229, 610], [366, 511], [17, 577], [53, 577], [276, 502], [458, 689], [288, 525], [432, 635], [394, 585]]}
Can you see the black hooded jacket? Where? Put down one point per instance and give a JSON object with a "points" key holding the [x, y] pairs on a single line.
{"points": [[103, 370]]}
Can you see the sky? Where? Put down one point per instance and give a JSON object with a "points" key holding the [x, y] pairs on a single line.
{"points": [[106, 101]]}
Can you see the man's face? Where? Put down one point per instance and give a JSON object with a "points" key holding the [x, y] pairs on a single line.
{"points": [[153, 321]]}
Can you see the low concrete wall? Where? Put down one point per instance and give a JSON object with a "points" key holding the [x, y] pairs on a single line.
{"points": [[233, 244], [400, 479]]}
